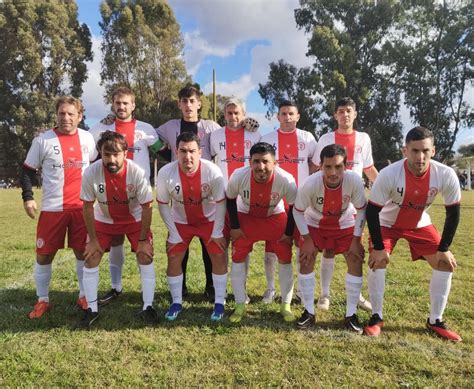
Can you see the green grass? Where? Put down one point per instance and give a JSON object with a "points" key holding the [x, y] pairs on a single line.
{"points": [[263, 350]]}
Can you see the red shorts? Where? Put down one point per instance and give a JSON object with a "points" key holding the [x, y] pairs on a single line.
{"points": [[106, 232], [422, 241], [52, 227], [337, 240], [188, 232], [269, 229]]}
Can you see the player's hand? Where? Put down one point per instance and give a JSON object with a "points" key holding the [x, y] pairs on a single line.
{"points": [[307, 250], [237, 233], [446, 261], [109, 119], [378, 259], [92, 250], [30, 208], [286, 239], [220, 242], [145, 247], [356, 251], [250, 124]]}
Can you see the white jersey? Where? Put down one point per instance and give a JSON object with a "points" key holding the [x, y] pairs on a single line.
{"points": [[261, 200], [169, 131], [294, 150], [139, 136], [406, 197], [62, 159], [328, 208], [358, 148], [193, 197], [231, 149], [119, 196]]}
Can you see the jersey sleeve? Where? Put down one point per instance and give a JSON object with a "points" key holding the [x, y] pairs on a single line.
{"points": [[380, 192], [144, 193], [150, 134], [312, 146], [87, 185], [218, 186], [450, 190], [162, 194], [232, 190], [163, 132], [303, 199], [358, 197], [291, 191], [34, 157], [368, 160], [212, 148], [317, 152]]}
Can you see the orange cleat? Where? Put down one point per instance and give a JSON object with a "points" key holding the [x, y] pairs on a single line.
{"points": [[40, 308], [440, 328], [82, 303], [374, 328]]}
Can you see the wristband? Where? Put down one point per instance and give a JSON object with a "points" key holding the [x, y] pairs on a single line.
{"points": [[142, 240]]}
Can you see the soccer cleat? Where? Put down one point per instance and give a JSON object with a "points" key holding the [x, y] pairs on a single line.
{"points": [[218, 312], [109, 297], [88, 319], [285, 311], [352, 324], [364, 304], [269, 296], [39, 309], [238, 313], [306, 321], [440, 328], [81, 303], [374, 328], [149, 315], [173, 311], [210, 293], [323, 303]]}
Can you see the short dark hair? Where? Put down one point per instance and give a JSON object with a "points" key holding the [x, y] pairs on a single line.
{"points": [[187, 137], [110, 140], [287, 103], [331, 151], [189, 91], [262, 148], [345, 101], [418, 133]]}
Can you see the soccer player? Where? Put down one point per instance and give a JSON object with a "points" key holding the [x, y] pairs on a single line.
{"points": [[140, 137], [295, 150], [324, 214], [400, 196], [117, 201], [359, 160], [195, 189], [255, 196], [62, 154]]}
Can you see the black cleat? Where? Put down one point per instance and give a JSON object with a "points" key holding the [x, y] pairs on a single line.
{"points": [[110, 296], [149, 315], [352, 324], [306, 321], [88, 319], [210, 293]]}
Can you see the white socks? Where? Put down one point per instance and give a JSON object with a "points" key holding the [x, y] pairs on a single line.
{"points": [[220, 284], [307, 284], [147, 275], [439, 291], [286, 282], [80, 273], [376, 284], [353, 287], [327, 269], [270, 262], [42, 276], [116, 261], [176, 288], [90, 280], [238, 277]]}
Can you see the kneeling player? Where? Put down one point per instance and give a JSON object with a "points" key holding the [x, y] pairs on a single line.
{"points": [[195, 188], [323, 212], [255, 203], [123, 207]]}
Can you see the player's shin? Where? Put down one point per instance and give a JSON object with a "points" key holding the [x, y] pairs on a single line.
{"points": [[220, 283], [238, 278], [90, 281], [307, 284], [376, 285], [116, 261], [286, 282], [327, 270], [80, 275], [353, 287], [176, 284], [42, 280], [270, 266], [440, 286], [147, 275]]}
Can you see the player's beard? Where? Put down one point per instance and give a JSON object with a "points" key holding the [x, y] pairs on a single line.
{"points": [[113, 167]]}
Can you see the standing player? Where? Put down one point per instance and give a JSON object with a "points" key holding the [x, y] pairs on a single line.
{"points": [[397, 209], [195, 189], [255, 203], [140, 137], [295, 149], [123, 197], [359, 160], [324, 215], [62, 154]]}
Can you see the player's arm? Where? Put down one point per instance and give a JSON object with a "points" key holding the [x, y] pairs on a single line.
{"points": [[93, 248], [217, 235], [378, 258], [451, 223], [158, 146], [356, 249], [371, 172], [313, 168], [26, 181], [144, 245], [290, 227], [235, 231]]}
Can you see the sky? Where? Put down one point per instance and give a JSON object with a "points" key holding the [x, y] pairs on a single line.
{"points": [[237, 38]]}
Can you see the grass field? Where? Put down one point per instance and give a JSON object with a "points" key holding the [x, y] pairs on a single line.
{"points": [[262, 350]]}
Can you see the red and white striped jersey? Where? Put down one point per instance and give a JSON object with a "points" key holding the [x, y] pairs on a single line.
{"points": [[294, 150], [119, 196], [327, 208], [169, 131], [193, 197], [139, 136], [261, 199], [231, 149], [358, 149], [62, 159], [406, 197]]}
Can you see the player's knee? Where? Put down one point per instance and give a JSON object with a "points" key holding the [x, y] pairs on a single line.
{"points": [[118, 240], [93, 261], [44, 259], [144, 259]]}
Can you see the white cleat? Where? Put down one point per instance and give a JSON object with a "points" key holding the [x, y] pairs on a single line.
{"points": [[323, 303], [269, 296], [364, 304]]}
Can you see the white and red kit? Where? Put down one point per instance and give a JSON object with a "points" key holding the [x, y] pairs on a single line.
{"points": [[406, 197], [358, 148], [294, 150], [139, 136], [231, 149], [169, 131]]}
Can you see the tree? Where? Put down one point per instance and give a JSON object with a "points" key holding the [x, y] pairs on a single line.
{"points": [[43, 54], [142, 49], [466, 150]]}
